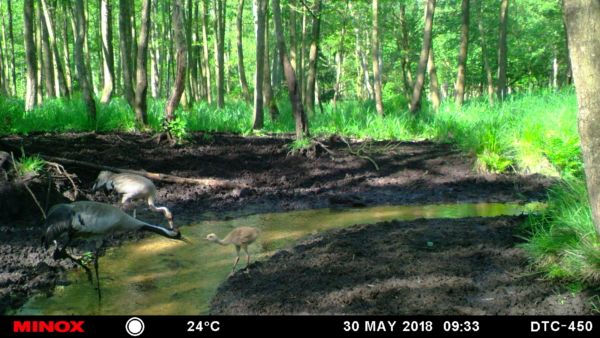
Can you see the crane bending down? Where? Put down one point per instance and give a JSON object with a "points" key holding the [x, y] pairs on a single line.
{"points": [[133, 187], [92, 221], [240, 237]]}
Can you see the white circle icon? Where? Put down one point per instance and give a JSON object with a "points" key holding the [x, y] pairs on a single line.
{"points": [[134, 326]]}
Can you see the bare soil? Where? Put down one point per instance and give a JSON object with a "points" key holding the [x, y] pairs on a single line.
{"points": [[268, 178]]}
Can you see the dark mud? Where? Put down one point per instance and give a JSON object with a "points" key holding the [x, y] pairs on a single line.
{"points": [[267, 177], [466, 266]]}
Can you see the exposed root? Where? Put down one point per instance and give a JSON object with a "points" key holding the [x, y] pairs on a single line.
{"points": [[359, 153]]}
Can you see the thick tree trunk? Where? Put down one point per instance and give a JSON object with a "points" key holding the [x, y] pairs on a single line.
{"points": [[65, 48], [141, 74], [58, 69], [376, 59], [259, 8], [434, 86], [40, 58], [108, 57], [30, 55], [486, 63], [155, 55], [240, 51], [313, 57], [220, 12], [300, 71], [290, 76], [206, 60], [125, 46], [293, 36], [86, 86], [179, 85], [462, 53], [502, 51], [415, 103], [363, 71], [582, 19]]}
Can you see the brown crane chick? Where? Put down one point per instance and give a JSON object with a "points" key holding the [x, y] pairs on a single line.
{"points": [[240, 237]]}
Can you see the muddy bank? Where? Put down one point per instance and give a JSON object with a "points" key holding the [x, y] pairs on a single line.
{"points": [[267, 177], [466, 266]]}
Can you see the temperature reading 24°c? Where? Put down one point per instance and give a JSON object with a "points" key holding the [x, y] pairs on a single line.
{"points": [[200, 326]]}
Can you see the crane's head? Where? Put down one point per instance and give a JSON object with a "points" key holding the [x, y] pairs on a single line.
{"points": [[212, 237], [104, 180]]}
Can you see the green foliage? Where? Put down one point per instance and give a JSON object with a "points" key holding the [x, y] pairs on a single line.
{"points": [[178, 129], [562, 239], [29, 165], [300, 144]]}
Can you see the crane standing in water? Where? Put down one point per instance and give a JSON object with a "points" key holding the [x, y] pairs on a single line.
{"points": [[240, 237], [133, 187], [92, 221]]}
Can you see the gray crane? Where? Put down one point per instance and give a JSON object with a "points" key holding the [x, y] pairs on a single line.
{"points": [[241, 237], [133, 187], [92, 222]]}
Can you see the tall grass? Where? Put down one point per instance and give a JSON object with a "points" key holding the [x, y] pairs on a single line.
{"points": [[528, 133]]}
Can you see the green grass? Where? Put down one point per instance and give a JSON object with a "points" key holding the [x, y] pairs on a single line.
{"points": [[529, 133], [29, 165]]}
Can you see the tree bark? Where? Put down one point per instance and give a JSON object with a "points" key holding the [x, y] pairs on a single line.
{"points": [[155, 55], [434, 87], [259, 8], [65, 47], [108, 68], [313, 57], [179, 84], [30, 55], [84, 82], [462, 54], [339, 63], [582, 19], [47, 61], [38, 50], [220, 6], [61, 86], [502, 51], [11, 39], [240, 51], [406, 73], [376, 59], [269, 102], [293, 35], [486, 63], [415, 103], [290, 76], [363, 73], [141, 74], [206, 60], [125, 46]]}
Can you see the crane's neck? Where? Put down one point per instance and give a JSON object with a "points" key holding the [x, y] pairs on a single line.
{"points": [[160, 230], [221, 241]]}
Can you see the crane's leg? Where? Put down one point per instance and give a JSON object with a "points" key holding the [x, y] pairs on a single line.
{"points": [[96, 254], [247, 256], [62, 253], [237, 259]]}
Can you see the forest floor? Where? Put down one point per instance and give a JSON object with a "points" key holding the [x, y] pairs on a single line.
{"points": [[473, 268]]}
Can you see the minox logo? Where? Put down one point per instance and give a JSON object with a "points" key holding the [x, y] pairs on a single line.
{"points": [[60, 326]]}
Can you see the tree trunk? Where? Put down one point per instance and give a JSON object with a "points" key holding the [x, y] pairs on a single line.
{"points": [[240, 51], [293, 35], [486, 63], [30, 55], [259, 8], [86, 46], [339, 63], [4, 72], [125, 45], [300, 72], [376, 59], [154, 55], [269, 102], [434, 87], [290, 76], [179, 85], [363, 73], [47, 59], [65, 48], [502, 51], [415, 103], [582, 18], [406, 73], [11, 39], [313, 57], [462, 54], [108, 68], [141, 74], [220, 34], [58, 70], [191, 76], [206, 60], [86, 86], [40, 58]]}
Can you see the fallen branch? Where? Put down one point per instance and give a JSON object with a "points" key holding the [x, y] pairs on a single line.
{"points": [[63, 172], [358, 154], [214, 182]]}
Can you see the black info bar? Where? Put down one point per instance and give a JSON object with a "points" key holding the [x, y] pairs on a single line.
{"points": [[334, 325]]}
